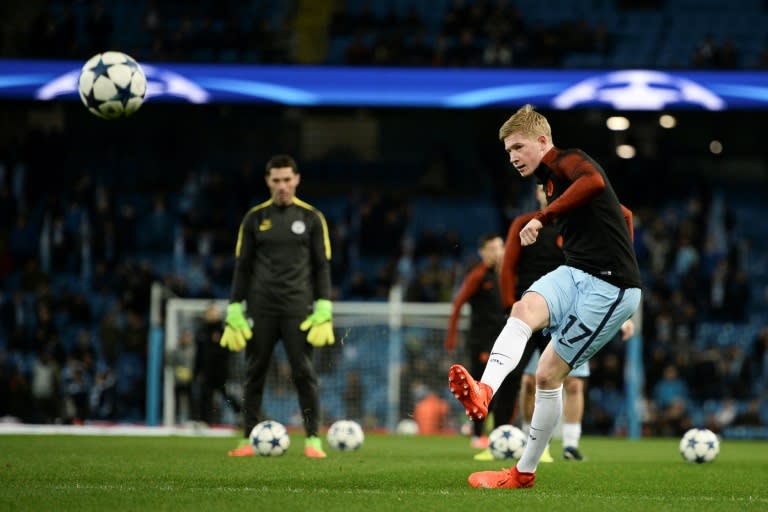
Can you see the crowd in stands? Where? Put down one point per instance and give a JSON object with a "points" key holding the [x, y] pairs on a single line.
{"points": [[470, 34], [711, 55], [457, 33], [697, 278]]}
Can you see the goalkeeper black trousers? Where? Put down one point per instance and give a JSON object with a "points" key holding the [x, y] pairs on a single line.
{"points": [[268, 331]]}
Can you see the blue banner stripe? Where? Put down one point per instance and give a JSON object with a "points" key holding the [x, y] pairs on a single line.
{"points": [[633, 89]]}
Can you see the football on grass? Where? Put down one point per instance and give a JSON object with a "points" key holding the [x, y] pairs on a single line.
{"points": [[507, 442], [345, 435], [112, 85], [699, 445], [270, 438]]}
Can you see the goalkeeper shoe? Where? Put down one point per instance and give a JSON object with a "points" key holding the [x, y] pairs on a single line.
{"points": [[244, 449], [474, 396], [313, 448], [484, 455], [505, 479]]}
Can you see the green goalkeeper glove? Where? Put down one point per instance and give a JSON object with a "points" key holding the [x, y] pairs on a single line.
{"points": [[319, 324], [237, 331]]}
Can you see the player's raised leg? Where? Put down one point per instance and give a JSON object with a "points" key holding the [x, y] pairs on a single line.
{"points": [[505, 355], [473, 395]]}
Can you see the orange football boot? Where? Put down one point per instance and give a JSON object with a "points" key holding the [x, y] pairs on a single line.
{"points": [[474, 396], [505, 479], [244, 450]]}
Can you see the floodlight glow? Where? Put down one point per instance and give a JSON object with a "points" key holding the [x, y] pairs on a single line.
{"points": [[625, 151], [617, 123], [667, 121]]}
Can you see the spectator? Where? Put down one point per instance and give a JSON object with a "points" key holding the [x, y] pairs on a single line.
{"points": [[759, 359], [750, 416], [102, 398], [727, 56], [705, 55], [674, 420], [670, 389], [724, 416], [359, 287], [22, 239], [430, 411], [497, 53], [211, 369], [182, 360], [45, 388], [75, 385], [99, 27]]}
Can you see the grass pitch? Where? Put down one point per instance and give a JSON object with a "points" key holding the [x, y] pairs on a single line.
{"points": [[388, 474]]}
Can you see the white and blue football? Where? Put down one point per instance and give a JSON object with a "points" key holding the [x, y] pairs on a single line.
{"points": [[507, 442], [345, 435], [699, 445], [112, 85], [270, 438]]}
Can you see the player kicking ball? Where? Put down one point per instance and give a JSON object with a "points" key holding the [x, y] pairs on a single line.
{"points": [[581, 304]]}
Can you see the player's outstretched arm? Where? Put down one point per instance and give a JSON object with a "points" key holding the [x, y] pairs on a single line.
{"points": [[586, 183], [468, 288], [508, 271]]}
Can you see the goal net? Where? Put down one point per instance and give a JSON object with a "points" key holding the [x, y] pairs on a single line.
{"points": [[388, 357]]}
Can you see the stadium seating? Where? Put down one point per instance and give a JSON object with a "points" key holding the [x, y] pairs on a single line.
{"points": [[664, 37]]}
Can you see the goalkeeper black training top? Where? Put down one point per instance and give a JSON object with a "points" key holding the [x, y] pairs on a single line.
{"points": [[283, 258]]}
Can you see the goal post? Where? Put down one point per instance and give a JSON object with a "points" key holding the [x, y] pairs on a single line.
{"points": [[386, 355]]}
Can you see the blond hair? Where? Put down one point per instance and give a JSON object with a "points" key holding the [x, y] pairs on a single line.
{"points": [[527, 122]]}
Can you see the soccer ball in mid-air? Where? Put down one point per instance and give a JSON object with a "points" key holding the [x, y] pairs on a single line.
{"points": [[345, 435], [112, 85], [270, 438], [507, 442], [699, 445]]}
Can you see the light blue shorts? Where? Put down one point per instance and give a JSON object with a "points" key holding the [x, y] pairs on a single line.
{"points": [[585, 312], [580, 371]]}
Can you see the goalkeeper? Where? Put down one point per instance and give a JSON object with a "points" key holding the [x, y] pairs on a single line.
{"points": [[281, 291]]}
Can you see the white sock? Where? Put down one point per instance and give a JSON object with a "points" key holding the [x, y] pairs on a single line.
{"points": [[546, 414], [526, 427], [571, 434], [506, 352]]}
